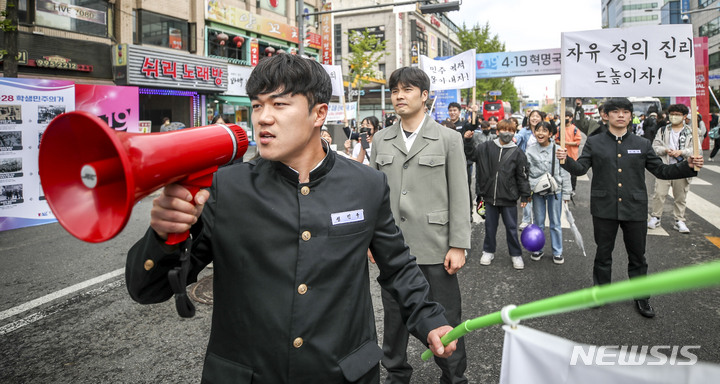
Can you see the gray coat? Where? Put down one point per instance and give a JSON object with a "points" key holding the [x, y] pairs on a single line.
{"points": [[429, 192]]}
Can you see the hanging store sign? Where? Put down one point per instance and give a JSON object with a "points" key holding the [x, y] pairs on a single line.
{"points": [[71, 11], [159, 68]]}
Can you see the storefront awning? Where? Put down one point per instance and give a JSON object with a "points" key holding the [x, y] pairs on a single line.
{"points": [[237, 100]]}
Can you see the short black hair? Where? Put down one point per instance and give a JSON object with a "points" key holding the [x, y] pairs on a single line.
{"points": [[682, 108], [454, 104], [568, 114], [617, 103], [374, 122], [545, 124], [294, 75], [410, 76], [493, 118]]}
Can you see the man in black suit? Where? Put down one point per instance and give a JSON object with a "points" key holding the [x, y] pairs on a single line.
{"points": [[618, 196]]}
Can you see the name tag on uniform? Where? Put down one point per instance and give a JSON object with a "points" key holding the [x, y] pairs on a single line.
{"points": [[347, 217], [634, 152]]}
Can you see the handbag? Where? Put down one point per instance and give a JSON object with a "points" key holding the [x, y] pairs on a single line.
{"points": [[547, 184], [714, 133]]}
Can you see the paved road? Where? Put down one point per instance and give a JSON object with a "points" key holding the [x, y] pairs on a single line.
{"points": [[96, 334]]}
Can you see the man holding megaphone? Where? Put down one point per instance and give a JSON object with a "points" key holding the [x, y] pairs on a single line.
{"points": [[292, 299]]}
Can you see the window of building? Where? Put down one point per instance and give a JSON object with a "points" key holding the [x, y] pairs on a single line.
{"points": [[162, 31], [714, 61], [422, 42], [229, 45], [711, 28], [337, 32], [631, 7], [639, 18], [89, 17], [704, 3]]}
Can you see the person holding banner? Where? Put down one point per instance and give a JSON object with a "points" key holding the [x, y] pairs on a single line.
{"points": [[426, 171], [618, 196]]}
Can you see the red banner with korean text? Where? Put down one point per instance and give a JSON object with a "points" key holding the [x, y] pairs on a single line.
{"points": [[326, 31], [700, 45]]}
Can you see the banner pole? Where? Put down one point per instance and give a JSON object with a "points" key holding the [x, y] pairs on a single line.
{"points": [[676, 280], [562, 127], [695, 136], [474, 101]]}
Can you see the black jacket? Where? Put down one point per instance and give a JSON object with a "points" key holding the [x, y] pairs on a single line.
{"points": [[292, 299], [501, 173], [618, 190]]}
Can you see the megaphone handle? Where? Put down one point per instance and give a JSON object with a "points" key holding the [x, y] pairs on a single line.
{"points": [[193, 183], [177, 238]]}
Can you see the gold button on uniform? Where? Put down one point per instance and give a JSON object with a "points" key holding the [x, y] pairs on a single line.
{"points": [[149, 264], [619, 154], [305, 190], [620, 199], [298, 342], [306, 235], [302, 289], [619, 169], [620, 185]]}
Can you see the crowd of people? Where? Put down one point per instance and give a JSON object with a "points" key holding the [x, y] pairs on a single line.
{"points": [[285, 220]]}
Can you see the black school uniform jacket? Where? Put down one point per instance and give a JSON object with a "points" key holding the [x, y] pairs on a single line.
{"points": [[618, 190], [292, 299]]}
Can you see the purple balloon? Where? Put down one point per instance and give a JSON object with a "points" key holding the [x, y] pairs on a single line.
{"points": [[532, 238]]}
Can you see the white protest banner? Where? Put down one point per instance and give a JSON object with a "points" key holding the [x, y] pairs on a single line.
{"points": [[335, 72], [335, 111], [519, 63], [455, 72], [642, 61]]}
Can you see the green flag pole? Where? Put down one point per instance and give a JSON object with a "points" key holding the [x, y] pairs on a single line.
{"points": [[677, 280]]}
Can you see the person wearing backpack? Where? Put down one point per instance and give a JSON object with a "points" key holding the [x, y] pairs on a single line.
{"points": [[714, 134]]}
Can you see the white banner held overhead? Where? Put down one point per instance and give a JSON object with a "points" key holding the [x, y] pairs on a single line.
{"points": [[456, 72], [335, 72], [640, 61], [335, 112]]}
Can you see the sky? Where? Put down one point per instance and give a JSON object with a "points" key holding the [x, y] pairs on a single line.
{"points": [[525, 25]]}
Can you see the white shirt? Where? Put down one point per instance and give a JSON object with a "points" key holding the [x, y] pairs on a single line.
{"points": [[409, 140]]}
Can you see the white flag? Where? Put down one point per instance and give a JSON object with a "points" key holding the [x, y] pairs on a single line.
{"points": [[335, 72], [456, 72], [531, 356]]}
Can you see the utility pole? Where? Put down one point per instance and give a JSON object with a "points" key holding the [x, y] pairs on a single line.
{"points": [[301, 26]]}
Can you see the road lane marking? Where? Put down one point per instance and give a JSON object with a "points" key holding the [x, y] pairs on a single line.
{"points": [[53, 309], [58, 294], [703, 208], [715, 240], [711, 167]]}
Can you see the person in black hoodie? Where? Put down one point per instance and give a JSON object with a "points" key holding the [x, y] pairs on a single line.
{"points": [[500, 180]]}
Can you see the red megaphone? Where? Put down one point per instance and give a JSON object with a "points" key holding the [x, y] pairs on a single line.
{"points": [[92, 175]]}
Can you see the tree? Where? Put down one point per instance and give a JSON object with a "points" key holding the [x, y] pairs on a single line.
{"points": [[366, 50], [480, 38], [9, 26]]}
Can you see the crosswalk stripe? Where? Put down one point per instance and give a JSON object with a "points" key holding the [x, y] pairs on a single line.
{"points": [[658, 231], [583, 178], [703, 208], [709, 167], [699, 181]]}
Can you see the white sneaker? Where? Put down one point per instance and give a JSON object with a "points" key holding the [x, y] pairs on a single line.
{"points": [[654, 222], [518, 262], [486, 258], [681, 227], [523, 225]]}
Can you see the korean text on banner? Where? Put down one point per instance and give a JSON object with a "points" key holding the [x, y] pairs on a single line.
{"points": [[518, 63], [456, 72], [336, 113], [641, 61], [335, 72]]}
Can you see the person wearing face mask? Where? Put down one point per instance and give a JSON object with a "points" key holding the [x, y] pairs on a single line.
{"points": [[673, 143], [501, 179]]}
